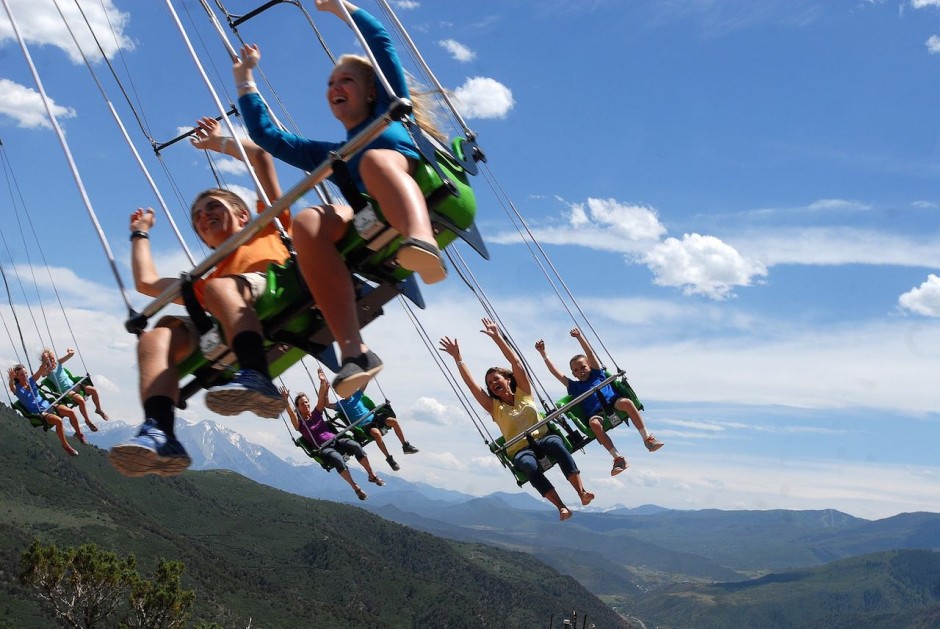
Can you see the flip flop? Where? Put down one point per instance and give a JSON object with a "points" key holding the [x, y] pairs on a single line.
{"points": [[423, 258]]}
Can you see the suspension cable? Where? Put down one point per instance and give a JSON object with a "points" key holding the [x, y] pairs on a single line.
{"points": [[68, 154], [120, 123]]}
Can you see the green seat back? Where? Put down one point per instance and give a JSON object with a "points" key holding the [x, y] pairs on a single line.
{"points": [[36, 420]]}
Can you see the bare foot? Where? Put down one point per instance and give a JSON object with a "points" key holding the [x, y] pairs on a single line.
{"points": [[91, 426], [586, 498], [102, 413], [564, 513]]}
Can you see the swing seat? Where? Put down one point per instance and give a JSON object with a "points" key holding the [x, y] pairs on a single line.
{"points": [[49, 388], [292, 328], [452, 208], [546, 463], [37, 421], [612, 419], [362, 436]]}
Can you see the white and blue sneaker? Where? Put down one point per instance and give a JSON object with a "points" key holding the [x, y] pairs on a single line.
{"points": [[248, 391], [151, 451]]}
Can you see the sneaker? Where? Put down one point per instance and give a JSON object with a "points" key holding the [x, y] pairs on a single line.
{"points": [[392, 464], [248, 391], [653, 444], [407, 448], [151, 451], [620, 465], [81, 437], [356, 373]]}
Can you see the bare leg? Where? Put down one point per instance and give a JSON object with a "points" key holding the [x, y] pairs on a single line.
{"points": [[597, 427], [69, 414], [93, 392], [364, 462], [563, 512], [316, 232], [377, 437], [387, 176], [80, 402], [586, 496], [229, 300], [56, 423], [158, 352], [394, 425], [626, 405]]}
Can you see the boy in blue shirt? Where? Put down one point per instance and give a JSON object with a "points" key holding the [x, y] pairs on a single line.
{"points": [[588, 373]]}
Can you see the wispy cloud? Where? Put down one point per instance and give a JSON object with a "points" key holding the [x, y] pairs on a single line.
{"points": [[457, 50]]}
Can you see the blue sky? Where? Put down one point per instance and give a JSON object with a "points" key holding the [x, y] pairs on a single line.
{"points": [[743, 195]]}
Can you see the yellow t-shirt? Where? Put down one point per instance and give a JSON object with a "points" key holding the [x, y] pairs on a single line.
{"points": [[513, 420]]}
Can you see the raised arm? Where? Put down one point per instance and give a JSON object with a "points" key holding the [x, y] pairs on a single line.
{"points": [[540, 348], [211, 138], [69, 352], [450, 346], [146, 278], [324, 392], [285, 394], [11, 374], [593, 363], [518, 370]]}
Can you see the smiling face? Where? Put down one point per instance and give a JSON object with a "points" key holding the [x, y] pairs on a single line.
{"points": [[217, 214], [580, 368], [499, 384], [302, 402], [350, 91], [20, 375]]}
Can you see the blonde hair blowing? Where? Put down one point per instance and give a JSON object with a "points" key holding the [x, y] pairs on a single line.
{"points": [[422, 103]]}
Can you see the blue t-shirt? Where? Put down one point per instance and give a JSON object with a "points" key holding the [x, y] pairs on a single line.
{"points": [[591, 405], [307, 154], [30, 398], [61, 378], [353, 407]]}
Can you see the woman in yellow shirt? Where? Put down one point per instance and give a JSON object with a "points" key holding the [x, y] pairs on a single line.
{"points": [[508, 399]]}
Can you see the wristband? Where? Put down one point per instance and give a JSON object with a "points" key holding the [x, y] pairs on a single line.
{"points": [[244, 85], [139, 233], [459, 362]]}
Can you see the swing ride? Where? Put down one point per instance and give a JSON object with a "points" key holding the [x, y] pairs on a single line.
{"points": [[292, 325]]}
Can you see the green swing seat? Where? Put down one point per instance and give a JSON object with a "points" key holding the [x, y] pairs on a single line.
{"points": [[611, 420], [546, 463]]}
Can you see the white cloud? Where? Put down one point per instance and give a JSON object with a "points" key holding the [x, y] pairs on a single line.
{"points": [[457, 50], [836, 245], [38, 22], [407, 4], [231, 166], [933, 44], [482, 97], [701, 265], [24, 105], [920, 4], [601, 224], [430, 410], [925, 299]]}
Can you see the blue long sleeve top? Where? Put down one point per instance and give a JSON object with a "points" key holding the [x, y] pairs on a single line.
{"points": [[307, 154]]}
